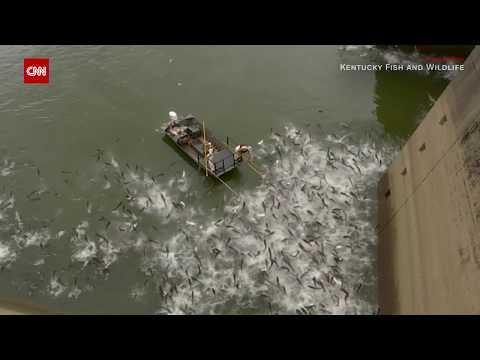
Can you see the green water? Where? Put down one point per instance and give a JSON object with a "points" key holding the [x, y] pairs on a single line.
{"points": [[115, 98]]}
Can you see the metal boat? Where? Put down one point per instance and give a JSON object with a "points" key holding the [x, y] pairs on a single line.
{"points": [[198, 143]]}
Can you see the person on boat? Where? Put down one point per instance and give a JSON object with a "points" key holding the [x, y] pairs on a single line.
{"points": [[173, 117], [173, 120], [242, 149], [210, 150], [185, 140]]}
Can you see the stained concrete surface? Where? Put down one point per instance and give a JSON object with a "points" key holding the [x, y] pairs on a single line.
{"points": [[429, 209]]}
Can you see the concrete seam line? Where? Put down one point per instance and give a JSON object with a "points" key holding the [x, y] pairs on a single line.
{"points": [[419, 185]]}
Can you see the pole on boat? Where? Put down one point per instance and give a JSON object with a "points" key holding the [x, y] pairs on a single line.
{"points": [[205, 147], [226, 185], [253, 168], [249, 162]]}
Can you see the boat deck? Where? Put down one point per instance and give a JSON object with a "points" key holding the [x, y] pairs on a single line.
{"points": [[220, 162]]}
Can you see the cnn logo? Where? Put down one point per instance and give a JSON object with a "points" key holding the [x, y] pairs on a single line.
{"points": [[36, 71]]}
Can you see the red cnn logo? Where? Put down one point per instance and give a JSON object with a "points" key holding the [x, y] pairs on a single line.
{"points": [[36, 71]]}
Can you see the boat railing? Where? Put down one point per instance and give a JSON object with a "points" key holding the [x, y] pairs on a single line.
{"points": [[218, 166]]}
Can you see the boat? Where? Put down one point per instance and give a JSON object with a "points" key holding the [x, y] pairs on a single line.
{"points": [[199, 144]]}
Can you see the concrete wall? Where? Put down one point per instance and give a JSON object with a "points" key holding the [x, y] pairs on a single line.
{"points": [[429, 209]]}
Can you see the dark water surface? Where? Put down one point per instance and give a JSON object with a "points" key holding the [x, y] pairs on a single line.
{"points": [[99, 214]]}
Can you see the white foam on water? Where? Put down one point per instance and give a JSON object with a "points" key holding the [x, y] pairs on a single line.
{"points": [[114, 163], [88, 246], [84, 249], [74, 293], [39, 262], [351, 47], [85, 253], [109, 253], [26, 239], [7, 167], [301, 241], [6, 203], [19, 221], [56, 287], [262, 252], [164, 200], [7, 255]]}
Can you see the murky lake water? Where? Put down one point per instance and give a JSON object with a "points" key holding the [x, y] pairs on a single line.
{"points": [[99, 214]]}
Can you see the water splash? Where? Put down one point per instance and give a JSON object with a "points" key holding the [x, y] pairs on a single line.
{"points": [[7, 255], [303, 241], [7, 167]]}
